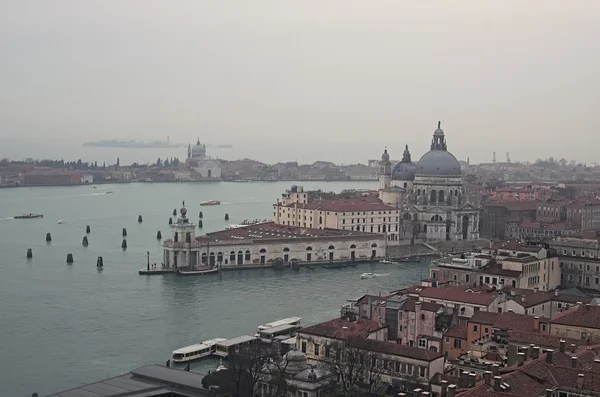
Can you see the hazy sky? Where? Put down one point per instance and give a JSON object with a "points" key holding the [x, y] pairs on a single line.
{"points": [[304, 79]]}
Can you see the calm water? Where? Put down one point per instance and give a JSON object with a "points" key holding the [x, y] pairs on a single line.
{"points": [[65, 325]]}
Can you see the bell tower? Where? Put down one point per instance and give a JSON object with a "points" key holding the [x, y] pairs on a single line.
{"points": [[385, 171]]}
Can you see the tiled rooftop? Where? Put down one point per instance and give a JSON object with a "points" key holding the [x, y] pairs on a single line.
{"points": [[587, 316], [342, 329]]}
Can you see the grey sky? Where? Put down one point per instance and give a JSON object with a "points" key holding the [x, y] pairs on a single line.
{"points": [[504, 75]]}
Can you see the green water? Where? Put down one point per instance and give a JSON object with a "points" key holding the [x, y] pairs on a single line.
{"points": [[66, 325]]}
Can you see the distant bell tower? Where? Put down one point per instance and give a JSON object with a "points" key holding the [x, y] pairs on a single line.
{"points": [[183, 241], [385, 171]]}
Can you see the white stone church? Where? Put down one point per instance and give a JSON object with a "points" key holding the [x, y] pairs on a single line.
{"points": [[429, 194]]}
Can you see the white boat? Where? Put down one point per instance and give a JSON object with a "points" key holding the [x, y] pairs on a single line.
{"points": [[196, 351], [231, 346], [198, 271], [388, 262], [285, 321], [368, 275], [221, 367], [210, 202], [60, 221]]}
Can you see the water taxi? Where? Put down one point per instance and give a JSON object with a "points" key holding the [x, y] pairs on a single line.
{"points": [[368, 275], [196, 351], [198, 271], [210, 202], [61, 221], [29, 216], [228, 347], [279, 333], [285, 321]]}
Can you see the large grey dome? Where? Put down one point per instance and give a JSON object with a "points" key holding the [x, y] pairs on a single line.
{"points": [[199, 150], [404, 170], [438, 163]]}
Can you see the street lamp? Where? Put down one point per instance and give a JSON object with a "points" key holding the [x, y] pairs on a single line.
{"points": [[148, 256]]}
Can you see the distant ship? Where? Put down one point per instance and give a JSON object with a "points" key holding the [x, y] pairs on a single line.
{"points": [[134, 144]]}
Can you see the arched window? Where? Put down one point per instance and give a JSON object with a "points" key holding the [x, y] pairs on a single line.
{"points": [[220, 257], [204, 257], [353, 246], [433, 196], [262, 250], [331, 247], [247, 256], [456, 192], [418, 192], [441, 196], [309, 248], [232, 256], [286, 249], [374, 245], [436, 218]]}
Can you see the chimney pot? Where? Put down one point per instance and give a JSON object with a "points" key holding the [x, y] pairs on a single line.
{"points": [[487, 377], [549, 354], [472, 379], [587, 307], [596, 367], [562, 344], [495, 369], [535, 352], [549, 392], [425, 394], [573, 347], [451, 391], [497, 381], [520, 358], [401, 394], [580, 381], [574, 362]]}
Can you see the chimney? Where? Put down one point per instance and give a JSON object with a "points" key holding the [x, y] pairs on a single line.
{"points": [[444, 387], [587, 307], [487, 377], [531, 350], [549, 392], [520, 358], [417, 392], [574, 362], [525, 351], [464, 379], [536, 289], [580, 381], [451, 391], [401, 394], [511, 355], [536, 323], [535, 353], [573, 347], [472, 379], [425, 394], [596, 367], [549, 354], [497, 381], [562, 344], [555, 292], [496, 369]]}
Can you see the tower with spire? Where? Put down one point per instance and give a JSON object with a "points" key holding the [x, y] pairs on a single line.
{"points": [[385, 170]]}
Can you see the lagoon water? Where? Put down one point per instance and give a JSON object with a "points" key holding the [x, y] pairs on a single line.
{"points": [[66, 325]]}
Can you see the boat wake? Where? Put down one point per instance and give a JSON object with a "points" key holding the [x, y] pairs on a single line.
{"points": [[382, 274], [7, 218]]}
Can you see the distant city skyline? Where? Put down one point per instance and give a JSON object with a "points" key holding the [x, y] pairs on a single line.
{"points": [[307, 81]]}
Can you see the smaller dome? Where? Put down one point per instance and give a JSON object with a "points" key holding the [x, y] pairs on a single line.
{"points": [[183, 211], [198, 150], [385, 156], [404, 171], [295, 355], [439, 130], [296, 361]]}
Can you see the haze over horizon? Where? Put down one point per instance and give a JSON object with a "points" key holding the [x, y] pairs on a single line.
{"points": [[306, 81]]}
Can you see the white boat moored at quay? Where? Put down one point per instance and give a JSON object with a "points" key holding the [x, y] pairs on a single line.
{"points": [[196, 351], [231, 346], [285, 321], [281, 332], [368, 275]]}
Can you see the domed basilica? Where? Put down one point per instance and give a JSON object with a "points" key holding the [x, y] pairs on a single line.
{"points": [[206, 167], [430, 194]]}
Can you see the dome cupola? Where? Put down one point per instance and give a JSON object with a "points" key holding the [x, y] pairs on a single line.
{"points": [[438, 161]]}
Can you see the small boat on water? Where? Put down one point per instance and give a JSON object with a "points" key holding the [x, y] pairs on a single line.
{"points": [[198, 271], [278, 323], [61, 221], [211, 202], [196, 351], [386, 261], [109, 192], [368, 275], [29, 216]]}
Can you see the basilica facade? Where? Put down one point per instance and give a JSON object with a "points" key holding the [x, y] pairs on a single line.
{"points": [[197, 160], [429, 194]]}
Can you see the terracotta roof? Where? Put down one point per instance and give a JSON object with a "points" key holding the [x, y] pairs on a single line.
{"points": [[274, 231], [518, 322], [544, 341], [524, 259], [481, 317], [497, 270], [395, 349], [579, 316], [458, 294], [410, 306], [341, 329], [457, 331], [514, 246], [532, 298]]}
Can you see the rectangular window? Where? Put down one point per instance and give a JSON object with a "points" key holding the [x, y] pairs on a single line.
{"points": [[457, 343], [303, 348], [474, 328]]}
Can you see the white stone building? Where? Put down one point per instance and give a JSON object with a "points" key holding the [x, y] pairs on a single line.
{"points": [[430, 194], [267, 243], [206, 167]]}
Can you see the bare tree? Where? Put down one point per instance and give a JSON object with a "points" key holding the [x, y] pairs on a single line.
{"points": [[357, 368]]}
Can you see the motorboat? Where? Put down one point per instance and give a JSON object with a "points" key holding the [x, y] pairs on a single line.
{"points": [[61, 221], [29, 216], [211, 202], [196, 351], [109, 192], [386, 261], [368, 275]]}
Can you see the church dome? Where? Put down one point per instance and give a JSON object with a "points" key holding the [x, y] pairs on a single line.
{"points": [[404, 170], [385, 156], [199, 150], [438, 161]]}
